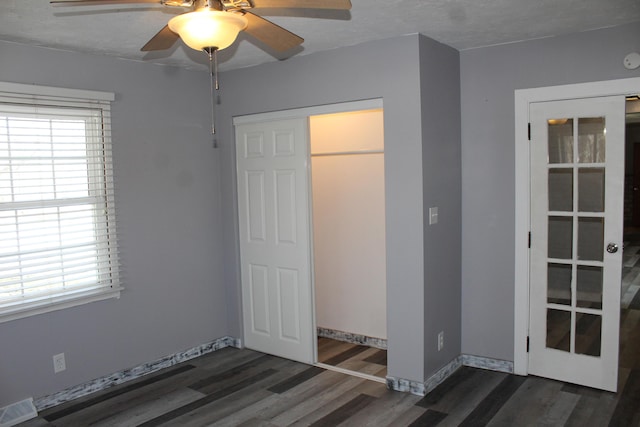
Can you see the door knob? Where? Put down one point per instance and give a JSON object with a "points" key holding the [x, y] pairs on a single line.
{"points": [[612, 248]]}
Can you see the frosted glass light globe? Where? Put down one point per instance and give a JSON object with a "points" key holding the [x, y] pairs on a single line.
{"points": [[208, 28]]}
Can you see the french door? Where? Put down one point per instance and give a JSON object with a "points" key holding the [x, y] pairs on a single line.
{"points": [[577, 177], [273, 208]]}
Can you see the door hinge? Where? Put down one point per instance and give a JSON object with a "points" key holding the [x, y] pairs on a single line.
{"points": [[529, 240], [527, 344], [529, 131]]}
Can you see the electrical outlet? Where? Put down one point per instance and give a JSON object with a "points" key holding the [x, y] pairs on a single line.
{"points": [[440, 340], [59, 363]]}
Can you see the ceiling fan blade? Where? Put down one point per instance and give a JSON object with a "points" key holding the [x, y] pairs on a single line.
{"points": [[303, 4], [97, 2], [271, 34], [163, 40]]}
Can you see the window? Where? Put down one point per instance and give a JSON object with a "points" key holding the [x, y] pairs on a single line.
{"points": [[57, 229]]}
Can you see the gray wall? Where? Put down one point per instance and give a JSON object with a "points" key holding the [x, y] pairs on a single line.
{"points": [[177, 197], [387, 69], [177, 203], [440, 102], [167, 186], [418, 80], [489, 77]]}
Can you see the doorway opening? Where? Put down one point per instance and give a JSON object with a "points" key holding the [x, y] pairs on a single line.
{"points": [[524, 98], [349, 255], [630, 286], [275, 220]]}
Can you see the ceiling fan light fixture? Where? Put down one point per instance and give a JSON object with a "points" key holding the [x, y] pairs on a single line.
{"points": [[208, 28]]}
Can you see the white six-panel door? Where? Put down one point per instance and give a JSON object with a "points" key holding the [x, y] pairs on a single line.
{"points": [[577, 177], [273, 208]]}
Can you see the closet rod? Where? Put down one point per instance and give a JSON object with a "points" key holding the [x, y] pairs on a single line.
{"points": [[347, 153]]}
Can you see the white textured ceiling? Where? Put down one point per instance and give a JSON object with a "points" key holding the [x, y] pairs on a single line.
{"points": [[463, 24]]}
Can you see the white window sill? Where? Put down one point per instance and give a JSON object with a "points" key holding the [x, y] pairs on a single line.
{"points": [[56, 303]]}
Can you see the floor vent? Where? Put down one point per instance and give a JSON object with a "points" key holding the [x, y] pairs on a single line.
{"points": [[17, 412]]}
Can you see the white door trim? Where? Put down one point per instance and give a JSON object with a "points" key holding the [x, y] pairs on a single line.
{"points": [[524, 97], [367, 104]]}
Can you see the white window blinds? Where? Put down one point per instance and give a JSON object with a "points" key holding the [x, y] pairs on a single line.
{"points": [[57, 222]]}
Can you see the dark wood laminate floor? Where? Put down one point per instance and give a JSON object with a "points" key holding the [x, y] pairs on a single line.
{"points": [[354, 357], [234, 387], [630, 297]]}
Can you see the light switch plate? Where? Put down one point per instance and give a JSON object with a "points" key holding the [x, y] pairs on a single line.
{"points": [[433, 216]]}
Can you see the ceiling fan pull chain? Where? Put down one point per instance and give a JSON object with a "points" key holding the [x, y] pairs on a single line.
{"points": [[215, 65], [215, 100], [213, 77]]}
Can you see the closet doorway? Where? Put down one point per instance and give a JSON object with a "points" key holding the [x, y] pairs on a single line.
{"points": [[277, 218], [349, 258]]}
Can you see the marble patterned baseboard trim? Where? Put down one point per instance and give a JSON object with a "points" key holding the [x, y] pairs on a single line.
{"points": [[380, 343], [442, 374], [107, 381], [406, 386], [487, 363], [421, 389]]}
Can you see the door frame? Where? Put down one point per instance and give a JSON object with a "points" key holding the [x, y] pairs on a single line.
{"points": [[523, 98], [305, 113]]}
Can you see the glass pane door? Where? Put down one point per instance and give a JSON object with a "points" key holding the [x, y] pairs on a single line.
{"points": [[576, 172], [577, 155]]}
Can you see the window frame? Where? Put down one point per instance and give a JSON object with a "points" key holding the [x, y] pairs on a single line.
{"points": [[95, 106]]}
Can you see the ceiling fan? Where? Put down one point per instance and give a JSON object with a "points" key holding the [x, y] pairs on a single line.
{"points": [[213, 25]]}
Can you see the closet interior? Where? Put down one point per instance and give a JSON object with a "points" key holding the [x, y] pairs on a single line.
{"points": [[349, 257]]}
